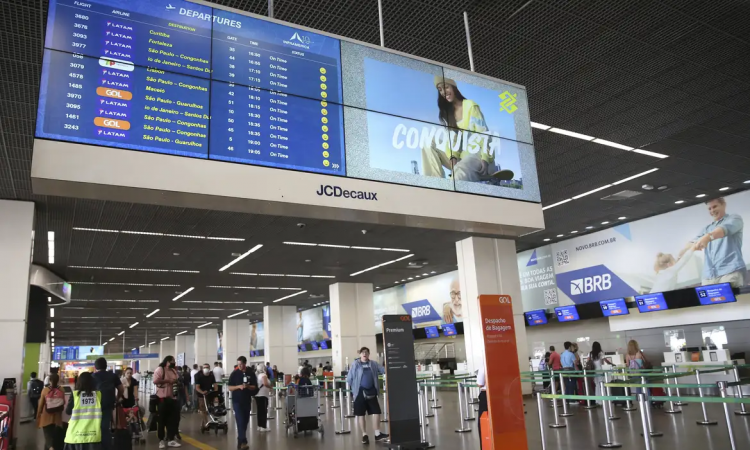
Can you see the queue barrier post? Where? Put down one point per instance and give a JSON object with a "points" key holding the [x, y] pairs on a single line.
{"points": [[385, 406], [427, 412], [649, 417], [336, 397], [277, 399], [738, 392], [705, 420], [540, 406], [422, 419], [730, 429], [557, 423], [252, 408], [628, 404], [565, 412], [609, 405], [343, 429], [462, 423], [588, 392], [467, 405], [607, 425], [678, 403], [434, 399], [672, 409], [644, 420]]}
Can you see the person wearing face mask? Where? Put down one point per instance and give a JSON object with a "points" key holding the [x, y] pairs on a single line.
{"points": [[243, 385], [130, 388], [205, 382], [165, 380]]}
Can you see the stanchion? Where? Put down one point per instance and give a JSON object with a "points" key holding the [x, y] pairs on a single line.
{"points": [[671, 409], [586, 388], [462, 424], [644, 420], [705, 420], [385, 407], [341, 413], [649, 417], [271, 412], [335, 397], [434, 395], [423, 420], [678, 403], [469, 409], [609, 405], [557, 424], [564, 402], [427, 411], [277, 399], [348, 402], [723, 390], [433, 378], [628, 404], [607, 428], [252, 408], [540, 406], [738, 392]]}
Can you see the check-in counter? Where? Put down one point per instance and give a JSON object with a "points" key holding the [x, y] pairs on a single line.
{"points": [[708, 378]]}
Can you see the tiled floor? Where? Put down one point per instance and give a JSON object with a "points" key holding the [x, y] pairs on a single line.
{"points": [[585, 431]]}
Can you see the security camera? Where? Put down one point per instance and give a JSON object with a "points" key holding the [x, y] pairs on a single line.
{"points": [[301, 225]]}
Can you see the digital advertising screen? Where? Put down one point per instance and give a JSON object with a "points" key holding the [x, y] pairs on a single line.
{"points": [[431, 332], [567, 313], [534, 318], [303, 348], [449, 329], [314, 345], [323, 345], [715, 294], [651, 302], [615, 307]]}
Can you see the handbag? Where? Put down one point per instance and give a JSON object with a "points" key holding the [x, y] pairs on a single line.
{"points": [[370, 393], [646, 363]]}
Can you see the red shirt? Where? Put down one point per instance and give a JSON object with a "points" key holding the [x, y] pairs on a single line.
{"points": [[554, 361]]}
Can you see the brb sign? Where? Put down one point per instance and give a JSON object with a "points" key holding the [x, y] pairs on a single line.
{"points": [[593, 284], [421, 311]]}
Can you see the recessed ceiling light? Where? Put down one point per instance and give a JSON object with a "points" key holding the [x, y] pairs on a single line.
{"points": [[165, 338], [585, 137], [649, 153], [589, 228], [184, 293], [111, 339], [621, 218], [178, 334], [51, 247], [289, 296], [680, 201], [576, 197], [121, 333], [433, 272], [726, 188], [540, 126], [237, 314], [635, 176], [613, 144], [152, 343], [574, 232], [381, 265], [152, 313], [605, 222], [647, 187], [556, 204], [410, 278], [746, 182], [241, 257], [700, 195], [546, 240], [560, 235], [205, 324]]}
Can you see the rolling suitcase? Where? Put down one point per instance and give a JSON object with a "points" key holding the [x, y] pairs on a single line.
{"points": [[657, 392], [123, 440]]}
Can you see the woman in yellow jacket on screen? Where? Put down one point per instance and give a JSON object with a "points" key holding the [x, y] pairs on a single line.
{"points": [[85, 410], [459, 114]]}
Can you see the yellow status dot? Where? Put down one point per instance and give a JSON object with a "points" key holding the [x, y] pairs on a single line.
{"points": [[323, 70], [325, 145], [324, 119], [325, 154], [323, 94], [323, 78], [325, 137], [323, 103], [323, 86], [324, 128], [324, 112], [326, 163]]}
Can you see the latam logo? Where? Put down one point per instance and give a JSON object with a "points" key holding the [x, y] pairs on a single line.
{"points": [[110, 102], [335, 191], [298, 40], [593, 284], [421, 311]]}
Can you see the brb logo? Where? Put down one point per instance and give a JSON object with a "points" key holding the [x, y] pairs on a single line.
{"points": [[509, 102], [421, 311], [593, 284]]}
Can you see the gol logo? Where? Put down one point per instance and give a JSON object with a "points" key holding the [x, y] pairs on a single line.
{"points": [[505, 300], [509, 102]]}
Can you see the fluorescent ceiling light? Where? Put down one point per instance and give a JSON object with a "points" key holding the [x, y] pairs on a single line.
{"points": [[51, 247], [605, 222], [237, 314], [111, 339], [540, 126], [134, 269], [333, 246], [634, 176], [105, 344], [52, 334], [592, 191], [546, 240], [366, 248], [724, 189], [574, 232], [649, 153], [402, 250], [52, 325], [205, 324], [150, 233], [746, 182], [124, 284], [289, 296], [301, 243], [152, 343], [556, 204], [52, 312], [239, 258], [142, 346], [700, 195], [49, 299], [121, 333], [152, 313], [613, 144], [184, 293], [381, 265], [679, 201], [165, 338], [621, 218], [135, 324], [181, 333], [353, 247], [585, 137], [560, 235], [132, 349], [589, 228], [323, 276]]}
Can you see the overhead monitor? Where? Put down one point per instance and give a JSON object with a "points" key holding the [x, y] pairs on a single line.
{"points": [[534, 318], [324, 345], [449, 329], [651, 302], [715, 294], [614, 307], [567, 313], [431, 332], [314, 345], [302, 348]]}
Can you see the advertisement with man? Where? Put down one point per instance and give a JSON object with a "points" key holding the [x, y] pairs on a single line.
{"points": [[257, 336], [314, 325], [699, 245], [432, 301]]}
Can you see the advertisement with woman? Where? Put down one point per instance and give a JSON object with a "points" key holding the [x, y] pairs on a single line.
{"points": [[257, 336], [314, 325]]}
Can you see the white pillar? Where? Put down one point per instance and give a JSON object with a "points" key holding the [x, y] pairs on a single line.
{"points": [[352, 314], [206, 346], [236, 341], [280, 346], [166, 348], [186, 344], [489, 267], [16, 227]]}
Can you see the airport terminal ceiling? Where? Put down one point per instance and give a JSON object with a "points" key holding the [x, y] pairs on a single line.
{"points": [[663, 77]]}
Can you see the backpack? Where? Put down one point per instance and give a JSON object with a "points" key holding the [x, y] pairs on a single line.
{"points": [[590, 363], [633, 364], [54, 402], [36, 389]]}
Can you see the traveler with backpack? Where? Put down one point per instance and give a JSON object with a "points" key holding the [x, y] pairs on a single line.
{"points": [[34, 389], [51, 406], [111, 389]]}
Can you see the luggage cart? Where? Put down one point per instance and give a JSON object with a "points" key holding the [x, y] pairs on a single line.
{"points": [[302, 404]]}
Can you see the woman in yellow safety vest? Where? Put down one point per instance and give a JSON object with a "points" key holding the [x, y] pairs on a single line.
{"points": [[85, 425]]}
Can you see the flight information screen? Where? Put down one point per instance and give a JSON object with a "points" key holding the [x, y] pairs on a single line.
{"points": [[185, 79], [651, 302], [534, 318], [615, 307], [715, 294], [567, 313]]}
